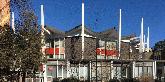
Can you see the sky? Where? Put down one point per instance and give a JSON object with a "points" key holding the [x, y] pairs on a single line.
{"points": [[101, 15]]}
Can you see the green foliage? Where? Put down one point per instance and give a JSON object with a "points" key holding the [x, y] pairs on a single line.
{"points": [[56, 80], [30, 42], [125, 80], [29, 36], [20, 6], [159, 50], [129, 80], [20, 52], [70, 80], [157, 80], [7, 54], [6, 46], [160, 45], [114, 80]]}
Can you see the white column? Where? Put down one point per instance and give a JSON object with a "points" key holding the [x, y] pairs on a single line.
{"points": [[42, 31], [126, 72], [68, 69], [57, 68], [90, 66], [141, 38], [64, 48], [79, 71], [119, 33], [45, 72], [112, 70], [133, 69], [59, 48], [84, 72], [82, 30], [144, 43], [154, 69], [32, 79], [42, 41], [42, 17], [13, 22], [148, 40], [54, 54], [62, 71], [42, 21]]}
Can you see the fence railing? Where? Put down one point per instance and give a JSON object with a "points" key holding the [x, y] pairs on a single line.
{"points": [[34, 80]]}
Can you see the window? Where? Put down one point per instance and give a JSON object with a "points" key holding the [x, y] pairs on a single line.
{"points": [[117, 71], [140, 71], [51, 70], [101, 43], [150, 71], [145, 70], [52, 44], [59, 70], [50, 56], [62, 43], [124, 71], [136, 72]]}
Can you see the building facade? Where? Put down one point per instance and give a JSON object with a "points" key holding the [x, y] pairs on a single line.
{"points": [[100, 60], [4, 12]]}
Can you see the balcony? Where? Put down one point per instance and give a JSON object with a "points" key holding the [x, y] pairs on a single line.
{"points": [[55, 53], [106, 54]]}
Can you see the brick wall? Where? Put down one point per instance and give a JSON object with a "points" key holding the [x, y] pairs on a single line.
{"points": [[73, 48]]}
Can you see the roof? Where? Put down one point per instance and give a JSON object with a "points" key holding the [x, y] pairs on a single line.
{"points": [[109, 34], [128, 37], [55, 33], [77, 30]]}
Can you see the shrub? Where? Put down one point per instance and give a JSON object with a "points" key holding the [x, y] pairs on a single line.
{"points": [[56, 80], [85, 81], [146, 78], [135, 80], [157, 80], [129, 80], [70, 80], [114, 80], [125, 80]]}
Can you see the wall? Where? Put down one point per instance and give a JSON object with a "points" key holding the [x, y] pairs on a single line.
{"points": [[4, 12]]}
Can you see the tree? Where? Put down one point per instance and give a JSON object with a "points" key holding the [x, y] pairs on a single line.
{"points": [[7, 54], [159, 50], [29, 40], [20, 52], [30, 43]]}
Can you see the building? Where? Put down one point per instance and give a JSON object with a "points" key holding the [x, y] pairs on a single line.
{"points": [[100, 58], [4, 12], [64, 51]]}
